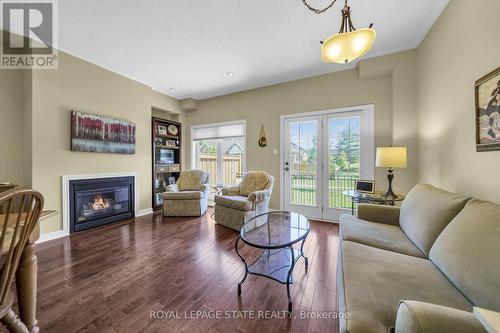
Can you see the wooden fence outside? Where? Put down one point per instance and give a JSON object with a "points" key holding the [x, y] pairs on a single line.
{"points": [[232, 168]]}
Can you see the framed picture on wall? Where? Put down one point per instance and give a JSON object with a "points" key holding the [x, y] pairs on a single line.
{"points": [[487, 95], [101, 134]]}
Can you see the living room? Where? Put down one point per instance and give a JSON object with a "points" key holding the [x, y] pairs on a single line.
{"points": [[170, 145]]}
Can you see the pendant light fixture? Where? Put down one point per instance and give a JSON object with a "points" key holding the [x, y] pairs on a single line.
{"points": [[349, 44]]}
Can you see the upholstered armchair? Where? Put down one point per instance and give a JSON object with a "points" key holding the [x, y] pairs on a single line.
{"points": [[188, 196], [239, 203]]}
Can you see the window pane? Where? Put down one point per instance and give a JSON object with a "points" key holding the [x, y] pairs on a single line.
{"points": [[207, 159], [223, 159], [232, 166], [303, 162], [343, 159]]}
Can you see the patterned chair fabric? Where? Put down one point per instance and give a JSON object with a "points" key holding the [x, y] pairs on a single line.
{"points": [[239, 203], [188, 196]]}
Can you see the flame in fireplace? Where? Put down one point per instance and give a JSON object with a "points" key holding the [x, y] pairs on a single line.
{"points": [[99, 203]]}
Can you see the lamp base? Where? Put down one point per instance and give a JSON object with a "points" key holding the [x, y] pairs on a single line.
{"points": [[390, 193]]}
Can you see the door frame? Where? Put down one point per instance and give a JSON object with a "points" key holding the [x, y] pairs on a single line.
{"points": [[368, 111], [310, 211]]}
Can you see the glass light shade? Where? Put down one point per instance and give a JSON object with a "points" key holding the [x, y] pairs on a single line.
{"points": [[344, 47], [391, 157]]}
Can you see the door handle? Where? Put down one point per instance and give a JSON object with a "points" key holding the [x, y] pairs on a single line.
{"points": [[287, 168]]}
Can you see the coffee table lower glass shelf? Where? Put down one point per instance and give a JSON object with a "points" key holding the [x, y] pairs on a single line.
{"points": [[276, 264], [275, 233]]}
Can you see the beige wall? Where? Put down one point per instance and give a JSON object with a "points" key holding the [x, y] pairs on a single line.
{"points": [[401, 69], [462, 46], [79, 85], [340, 89], [14, 127]]}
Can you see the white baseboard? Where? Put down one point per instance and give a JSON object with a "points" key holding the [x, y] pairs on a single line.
{"points": [[51, 236], [143, 212]]}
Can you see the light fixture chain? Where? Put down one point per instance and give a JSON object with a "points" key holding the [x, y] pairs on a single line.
{"points": [[318, 11]]}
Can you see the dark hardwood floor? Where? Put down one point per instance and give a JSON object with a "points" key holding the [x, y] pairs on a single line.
{"points": [[110, 279]]}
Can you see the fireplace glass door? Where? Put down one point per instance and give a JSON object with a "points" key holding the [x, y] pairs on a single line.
{"points": [[99, 203], [95, 202]]}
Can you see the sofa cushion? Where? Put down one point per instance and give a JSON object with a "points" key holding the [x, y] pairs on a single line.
{"points": [[253, 181], [468, 253], [234, 201], [382, 236], [190, 180], [426, 211], [376, 280], [183, 195]]}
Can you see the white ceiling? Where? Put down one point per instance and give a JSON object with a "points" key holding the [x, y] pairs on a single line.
{"points": [[190, 45]]}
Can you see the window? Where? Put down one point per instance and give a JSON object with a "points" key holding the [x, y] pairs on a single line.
{"points": [[219, 149]]}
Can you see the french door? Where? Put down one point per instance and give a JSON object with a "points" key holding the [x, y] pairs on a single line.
{"points": [[324, 154]]}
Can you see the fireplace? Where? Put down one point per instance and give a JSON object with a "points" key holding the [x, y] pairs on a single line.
{"points": [[95, 202]]}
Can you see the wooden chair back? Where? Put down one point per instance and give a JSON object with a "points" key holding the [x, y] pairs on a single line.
{"points": [[21, 209]]}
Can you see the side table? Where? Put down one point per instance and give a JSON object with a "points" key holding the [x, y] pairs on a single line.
{"points": [[376, 198]]}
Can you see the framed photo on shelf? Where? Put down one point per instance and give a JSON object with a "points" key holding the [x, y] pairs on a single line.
{"points": [[162, 130], [487, 98]]}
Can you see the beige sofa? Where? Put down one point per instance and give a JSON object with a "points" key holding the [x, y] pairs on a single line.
{"points": [[239, 203], [419, 268], [188, 196]]}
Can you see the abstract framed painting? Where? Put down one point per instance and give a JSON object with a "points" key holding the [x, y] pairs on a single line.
{"points": [[100, 134], [487, 97]]}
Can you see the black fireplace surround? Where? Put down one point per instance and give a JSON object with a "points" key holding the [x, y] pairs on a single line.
{"points": [[95, 202]]}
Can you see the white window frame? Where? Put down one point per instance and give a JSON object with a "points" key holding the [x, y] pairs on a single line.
{"points": [[219, 147]]}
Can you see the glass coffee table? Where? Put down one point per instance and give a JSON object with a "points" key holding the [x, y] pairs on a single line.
{"points": [[275, 233]]}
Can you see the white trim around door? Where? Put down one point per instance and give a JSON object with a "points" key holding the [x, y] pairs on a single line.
{"points": [[367, 154]]}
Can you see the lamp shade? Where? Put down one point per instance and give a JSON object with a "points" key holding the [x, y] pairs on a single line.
{"points": [[391, 157], [346, 47]]}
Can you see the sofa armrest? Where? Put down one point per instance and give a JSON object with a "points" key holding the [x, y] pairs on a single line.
{"points": [[379, 213], [231, 190], [420, 317], [259, 196]]}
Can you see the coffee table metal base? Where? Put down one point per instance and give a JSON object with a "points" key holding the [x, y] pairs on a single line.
{"points": [[275, 264]]}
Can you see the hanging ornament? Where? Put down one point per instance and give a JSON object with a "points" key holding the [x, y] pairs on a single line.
{"points": [[262, 137]]}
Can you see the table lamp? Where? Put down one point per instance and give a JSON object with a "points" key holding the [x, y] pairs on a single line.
{"points": [[390, 158]]}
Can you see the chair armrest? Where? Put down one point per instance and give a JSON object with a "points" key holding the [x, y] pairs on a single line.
{"points": [[420, 317], [259, 196], [231, 190], [172, 188], [379, 213], [205, 188]]}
